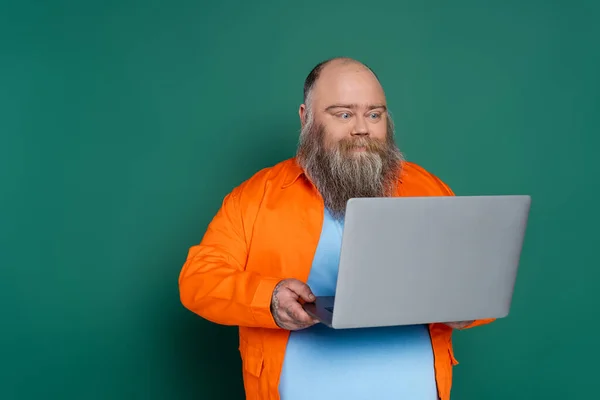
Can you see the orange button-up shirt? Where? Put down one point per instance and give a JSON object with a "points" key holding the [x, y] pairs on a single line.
{"points": [[268, 229]]}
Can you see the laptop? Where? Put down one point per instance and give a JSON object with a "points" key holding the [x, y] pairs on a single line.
{"points": [[420, 260]]}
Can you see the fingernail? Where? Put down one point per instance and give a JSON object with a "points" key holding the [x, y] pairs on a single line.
{"points": [[311, 296]]}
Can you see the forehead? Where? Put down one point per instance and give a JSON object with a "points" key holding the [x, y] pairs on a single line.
{"points": [[347, 83]]}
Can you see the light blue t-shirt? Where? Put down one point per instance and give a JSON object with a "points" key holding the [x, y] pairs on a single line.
{"points": [[354, 364]]}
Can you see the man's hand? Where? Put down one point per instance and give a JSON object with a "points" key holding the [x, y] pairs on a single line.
{"points": [[286, 308], [459, 324]]}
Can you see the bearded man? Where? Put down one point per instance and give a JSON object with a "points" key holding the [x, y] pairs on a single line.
{"points": [[275, 243]]}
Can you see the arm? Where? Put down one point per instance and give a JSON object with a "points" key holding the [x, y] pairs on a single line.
{"points": [[214, 282]]}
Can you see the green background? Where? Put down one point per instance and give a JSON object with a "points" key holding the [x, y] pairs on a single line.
{"points": [[124, 123]]}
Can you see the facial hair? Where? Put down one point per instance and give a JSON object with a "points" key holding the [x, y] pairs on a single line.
{"points": [[340, 172]]}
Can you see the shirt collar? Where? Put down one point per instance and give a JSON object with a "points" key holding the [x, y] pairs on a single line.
{"points": [[294, 171]]}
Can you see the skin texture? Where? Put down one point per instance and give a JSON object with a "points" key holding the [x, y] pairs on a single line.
{"points": [[286, 307], [459, 325], [349, 102]]}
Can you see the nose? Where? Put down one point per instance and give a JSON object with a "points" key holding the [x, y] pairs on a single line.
{"points": [[360, 127]]}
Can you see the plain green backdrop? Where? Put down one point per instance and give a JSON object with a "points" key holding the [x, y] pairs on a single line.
{"points": [[124, 123]]}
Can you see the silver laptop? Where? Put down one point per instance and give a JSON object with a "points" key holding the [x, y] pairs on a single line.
{"points": [[418, 260]]}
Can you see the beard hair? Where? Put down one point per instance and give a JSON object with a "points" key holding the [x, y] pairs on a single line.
{"points": [[339, 173]]}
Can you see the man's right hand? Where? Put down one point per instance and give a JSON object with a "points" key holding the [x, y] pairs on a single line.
{"points": [[286, 307]]}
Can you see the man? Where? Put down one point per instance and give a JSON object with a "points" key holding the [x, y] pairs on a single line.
{"points": [[275, 243]]}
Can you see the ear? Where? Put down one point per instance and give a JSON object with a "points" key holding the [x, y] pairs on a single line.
{"points": [[302, 114]]}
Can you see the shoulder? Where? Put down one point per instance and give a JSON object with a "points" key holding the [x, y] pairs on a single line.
{"points": [[256, 185], [417, 181]]}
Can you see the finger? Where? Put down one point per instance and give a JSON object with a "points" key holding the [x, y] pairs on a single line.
{"points": [[302, 290], [292, 325], [300, 314], [285, 320], [294, 320], [459, 324], [297, 313], [299, 321]]}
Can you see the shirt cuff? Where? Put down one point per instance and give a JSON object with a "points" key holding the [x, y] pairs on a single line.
{"points": [[261, 303]]}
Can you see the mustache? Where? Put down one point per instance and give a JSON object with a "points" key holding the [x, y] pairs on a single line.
{"points": [[370, 144]]}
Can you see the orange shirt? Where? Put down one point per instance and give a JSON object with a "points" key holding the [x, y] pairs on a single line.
{"points": [[267, 229]]}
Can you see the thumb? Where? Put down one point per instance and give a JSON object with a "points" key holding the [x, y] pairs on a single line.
{"points": [[302, 290]]}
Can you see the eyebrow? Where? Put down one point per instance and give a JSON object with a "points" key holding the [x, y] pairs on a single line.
{"points": [[355, 106]]}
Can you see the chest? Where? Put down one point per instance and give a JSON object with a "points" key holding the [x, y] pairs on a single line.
{"points": [[286, 234], [287, 230]]}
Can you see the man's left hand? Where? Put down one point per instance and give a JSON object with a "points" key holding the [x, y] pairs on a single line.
{"points": [[459, 324]]}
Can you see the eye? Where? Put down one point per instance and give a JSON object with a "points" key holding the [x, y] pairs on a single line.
{"points": [[344, 115], [374, 115]]}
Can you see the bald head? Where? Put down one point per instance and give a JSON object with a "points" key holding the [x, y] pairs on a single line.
{"points": [[346, 97], [347, 140], [314, 75]]}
